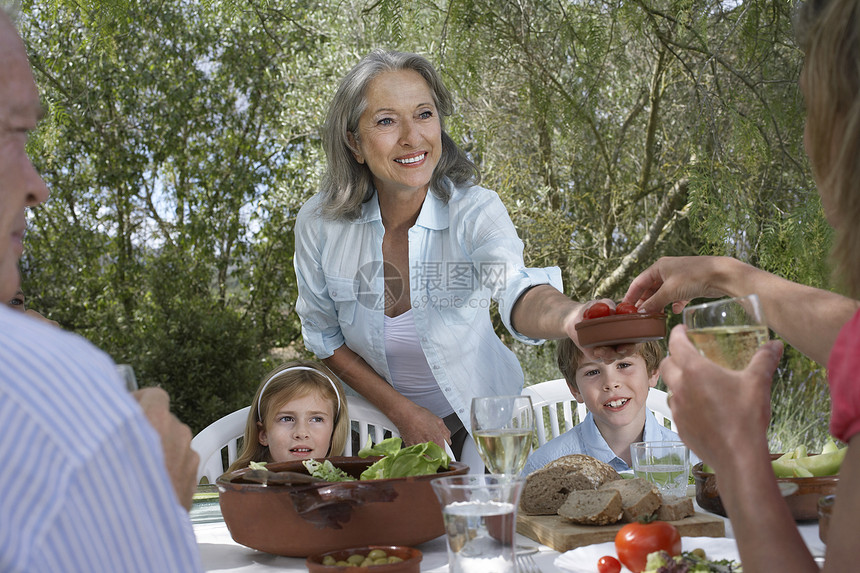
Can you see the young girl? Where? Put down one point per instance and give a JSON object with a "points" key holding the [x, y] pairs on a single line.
{"points": [[299, 412]]}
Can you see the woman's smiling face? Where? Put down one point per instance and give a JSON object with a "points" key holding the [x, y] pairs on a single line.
{"points": [[399, 133]]}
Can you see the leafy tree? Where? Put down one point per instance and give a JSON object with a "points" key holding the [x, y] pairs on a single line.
{"points": [[182, 138]]}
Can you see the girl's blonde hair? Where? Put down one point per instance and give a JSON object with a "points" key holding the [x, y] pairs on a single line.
{"points": [[829, 33], [298, 379]]}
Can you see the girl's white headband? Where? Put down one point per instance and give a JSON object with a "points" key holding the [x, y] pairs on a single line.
{"points": [[291, 369]]}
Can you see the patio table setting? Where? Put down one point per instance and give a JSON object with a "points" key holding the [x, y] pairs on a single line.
{"points": [[219, 552]]}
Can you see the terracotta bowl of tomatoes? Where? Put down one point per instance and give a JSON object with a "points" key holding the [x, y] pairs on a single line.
{"points": [[603, 326], [801, 493]]}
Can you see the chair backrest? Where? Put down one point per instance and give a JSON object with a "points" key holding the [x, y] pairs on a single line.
{"points": [[365, 420], [554, 395], [547, 399], [211, 441], [658, 402]]}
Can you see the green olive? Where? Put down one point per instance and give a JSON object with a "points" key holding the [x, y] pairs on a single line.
{"points": [[376, 554], [394, 559], [343, 563], [329, 560], [699, 552], [356, 559]]}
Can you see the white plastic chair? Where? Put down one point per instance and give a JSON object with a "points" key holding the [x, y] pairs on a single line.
{"points": [[211, 441], [548, 396], [365, 419]]}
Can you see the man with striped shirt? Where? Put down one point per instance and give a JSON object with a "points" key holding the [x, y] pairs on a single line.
{"points": [[94, 479]]}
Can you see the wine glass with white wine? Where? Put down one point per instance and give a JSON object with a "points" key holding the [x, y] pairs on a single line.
{"points": [[503, 428], [727, 331]]}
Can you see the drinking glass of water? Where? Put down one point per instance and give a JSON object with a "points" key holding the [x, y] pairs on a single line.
{"points": [[665, 464], [727, 331], [503, 429], [480, 515]]}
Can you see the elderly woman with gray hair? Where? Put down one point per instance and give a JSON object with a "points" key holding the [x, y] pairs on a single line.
{"points": [[401, 252]]}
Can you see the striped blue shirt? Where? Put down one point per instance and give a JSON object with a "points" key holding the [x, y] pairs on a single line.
{"points": [[84, 485]]}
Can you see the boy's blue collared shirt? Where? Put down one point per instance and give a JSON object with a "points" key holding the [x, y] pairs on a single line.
{"points": [[585, 438]]}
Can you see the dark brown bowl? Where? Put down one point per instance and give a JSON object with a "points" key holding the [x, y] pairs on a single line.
{"points": [[301, 520], [621, 329], [802, 498], [411, 560]]}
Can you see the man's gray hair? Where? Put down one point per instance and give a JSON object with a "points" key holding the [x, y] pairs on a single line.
{"points": [[346, 184]]}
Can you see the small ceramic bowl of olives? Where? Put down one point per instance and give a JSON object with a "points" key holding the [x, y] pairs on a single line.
{"points": [[370, 559]]}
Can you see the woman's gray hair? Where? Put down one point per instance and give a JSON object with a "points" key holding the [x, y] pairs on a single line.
{"points": [[346, 183]]}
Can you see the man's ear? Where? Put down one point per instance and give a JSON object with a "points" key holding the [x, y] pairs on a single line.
{"points": [[353, 145]]}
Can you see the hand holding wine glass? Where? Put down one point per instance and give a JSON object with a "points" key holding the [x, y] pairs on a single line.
{"points": [[727, 331], [503, 429]]}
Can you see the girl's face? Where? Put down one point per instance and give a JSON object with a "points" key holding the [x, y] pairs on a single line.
{"points": [[299, 429]]}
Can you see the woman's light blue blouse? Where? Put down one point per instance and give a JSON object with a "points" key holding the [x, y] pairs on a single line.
{"points": [[462, 254]]}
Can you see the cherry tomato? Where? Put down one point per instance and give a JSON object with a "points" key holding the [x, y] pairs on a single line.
{"points": [[597, 310], [626, 308], [635, 541], [608, 564]]}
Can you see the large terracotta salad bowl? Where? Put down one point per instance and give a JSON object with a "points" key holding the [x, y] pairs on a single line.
{"points": [[300, 519]]}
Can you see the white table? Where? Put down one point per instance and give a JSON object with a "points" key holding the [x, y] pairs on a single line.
{"points": [[220, 553]]}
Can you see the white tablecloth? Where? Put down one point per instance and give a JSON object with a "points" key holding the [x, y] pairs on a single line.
{"points": [[220, 553]]}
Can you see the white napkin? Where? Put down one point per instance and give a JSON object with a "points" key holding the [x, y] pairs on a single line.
{"points": [[584, 559]]}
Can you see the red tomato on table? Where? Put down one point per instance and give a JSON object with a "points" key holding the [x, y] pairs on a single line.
{"points": [[608, 564], [635, 541], [597, 310]]}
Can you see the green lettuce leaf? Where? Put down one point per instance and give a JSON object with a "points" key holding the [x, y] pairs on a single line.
{"points": [[420, 459]]}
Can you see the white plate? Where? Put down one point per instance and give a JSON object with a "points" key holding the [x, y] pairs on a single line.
{"points": [[584, 559]]}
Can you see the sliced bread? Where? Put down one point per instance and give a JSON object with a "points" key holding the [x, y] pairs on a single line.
{"points": [[639, 497], [675, 508], [547, 488], [589, 507]]}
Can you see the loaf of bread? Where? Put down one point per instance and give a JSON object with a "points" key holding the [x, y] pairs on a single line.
{"points": [[639, 498], [589, 507], [675, 508], [547, 488]]}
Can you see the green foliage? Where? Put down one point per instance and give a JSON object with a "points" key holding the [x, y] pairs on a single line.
{"points": [[800, 412], [181, 139]]}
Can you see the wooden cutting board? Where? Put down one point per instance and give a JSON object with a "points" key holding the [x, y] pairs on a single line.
{"points": [[562, 535]]}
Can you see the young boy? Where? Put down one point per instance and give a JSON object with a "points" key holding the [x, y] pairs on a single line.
{"points": [[615, 395]]}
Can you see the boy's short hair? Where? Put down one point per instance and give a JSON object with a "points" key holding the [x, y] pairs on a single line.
{"points": [[569, 357]]}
